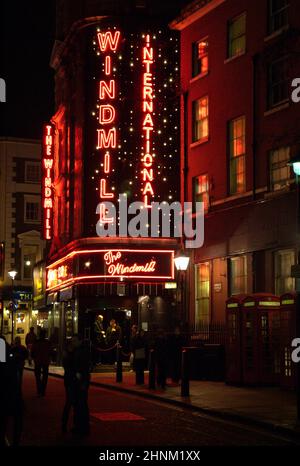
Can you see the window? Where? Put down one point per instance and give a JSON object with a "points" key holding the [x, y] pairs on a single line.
{"points": [[237, 154], [284, 260], [200, 119], [280, 172], [29, 260], [237, 275], [278, 14], [202, 308], [278, 82], [32, 172], [200, 57], [32, 210], [237, 36], [201, 190]]}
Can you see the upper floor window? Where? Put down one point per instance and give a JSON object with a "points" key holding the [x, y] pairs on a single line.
{"points": [[32, 172], [284, 259], [278, 14], [200, 57], [238, 275], [31, 209], [278, 82], [29, 253], [201, 190], [237, 155], [200, 119], [280, 171], [237, 36]]}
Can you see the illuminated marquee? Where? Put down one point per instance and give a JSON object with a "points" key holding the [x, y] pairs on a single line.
{"points": [[147, 123], [110, 264], [47, 181], [107, 133]]}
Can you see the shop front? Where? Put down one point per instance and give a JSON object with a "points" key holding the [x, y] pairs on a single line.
{"points": [[123, 283]]}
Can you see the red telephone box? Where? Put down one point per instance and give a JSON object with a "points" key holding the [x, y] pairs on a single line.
{"points": [[287, 334], [261, 339], [234, 340]]}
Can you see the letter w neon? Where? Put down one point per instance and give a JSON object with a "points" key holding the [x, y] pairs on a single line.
{"points": [[106, 40]]}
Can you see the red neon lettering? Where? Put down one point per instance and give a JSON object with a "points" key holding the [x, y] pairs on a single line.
{"points": [[107, 114], [48, 163], [147, 174], [147, 93], [106, 40], [107, 90], [103, 193], [107, 162], [48, 203], [47, 192], [106, 140], [148, 54], [148, 120], [147, 160], [103, 218], [48, 182], [148, 189], [107, 65]]}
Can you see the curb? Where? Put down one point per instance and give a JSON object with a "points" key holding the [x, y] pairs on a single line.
{"points": [[224, 415]]}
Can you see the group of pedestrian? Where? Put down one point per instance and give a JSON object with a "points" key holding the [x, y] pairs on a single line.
{"points": [[166, 350], [105, 340]]}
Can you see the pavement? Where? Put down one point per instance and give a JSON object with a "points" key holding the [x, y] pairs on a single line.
{"points": [[267, 407]]}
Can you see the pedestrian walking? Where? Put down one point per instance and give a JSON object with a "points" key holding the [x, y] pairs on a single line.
{"points": [[113, 335], [134, 330], [69, 382], [30, 339], [81, 367], [41, 354], [20, 355], [161, 358], [139, 347]]}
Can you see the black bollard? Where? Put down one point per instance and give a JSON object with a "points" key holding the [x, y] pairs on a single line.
{"points": [[185, 380], [119, 373], [151, 370]]}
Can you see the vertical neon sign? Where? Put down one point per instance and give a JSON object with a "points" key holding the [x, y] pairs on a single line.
{"points": [[107, 134], [147, 122], [47, 181]]}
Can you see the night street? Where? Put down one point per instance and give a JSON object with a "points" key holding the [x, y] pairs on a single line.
{"points": [[160, 424]]}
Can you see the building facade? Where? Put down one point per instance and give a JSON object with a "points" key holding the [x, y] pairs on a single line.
{"points": [[115, 135], [239, 130], [21, 245]]}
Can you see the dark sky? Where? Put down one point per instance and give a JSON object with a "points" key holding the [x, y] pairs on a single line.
{"points": [[27, 36]]}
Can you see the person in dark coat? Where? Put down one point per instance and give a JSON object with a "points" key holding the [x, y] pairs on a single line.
{"points": [[139, 349], [41, 354], [81, 367], [161, 358], [69, 383], [20, 354], [30, 339]]}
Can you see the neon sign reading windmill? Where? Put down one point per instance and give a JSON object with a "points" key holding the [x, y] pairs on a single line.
{"points": [[107, 134]]}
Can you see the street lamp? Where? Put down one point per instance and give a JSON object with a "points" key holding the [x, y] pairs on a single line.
{"points": [[181, 263], [295, 163], [12, 275]]}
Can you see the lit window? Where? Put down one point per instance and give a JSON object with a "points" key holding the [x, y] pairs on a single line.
{"points": [[238, 275], [32, 211], [280, 172], [32, 172], [237, 153], [200, 119], [200, 57], [237, 36], [29, 260], [284, 260], [278, 15], [201, 190], [278, 82], [202, 286]]}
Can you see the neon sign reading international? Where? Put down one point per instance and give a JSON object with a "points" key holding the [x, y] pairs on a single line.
{"points": [[147, 125], [107, 134], [47, 180]]}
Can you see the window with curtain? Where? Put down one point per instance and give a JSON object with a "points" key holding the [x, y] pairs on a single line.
{"points": [[200, 119], [202, 287], [237, 36], [280, 171], [200, 57], [237, 275], [284, 259], [237, 155]]}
